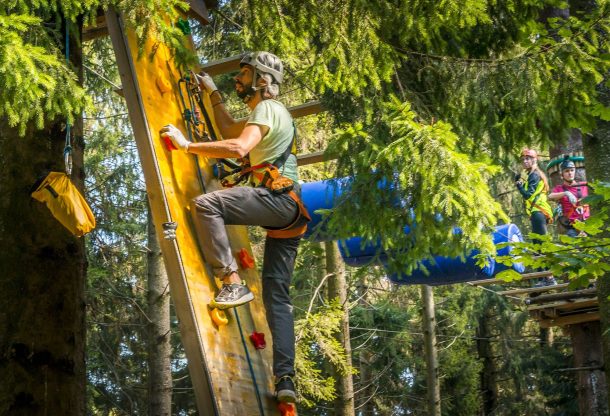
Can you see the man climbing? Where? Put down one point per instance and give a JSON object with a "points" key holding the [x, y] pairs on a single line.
{"points": [[272, 200], [570, 194]]}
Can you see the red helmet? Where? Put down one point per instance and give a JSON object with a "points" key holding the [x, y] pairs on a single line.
{"points": [[529, 152]]}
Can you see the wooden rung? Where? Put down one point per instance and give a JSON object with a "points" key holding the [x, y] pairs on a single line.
{"points": [[98, 30], [525, 290], [562, 296], [311, 158], [565, 305], [306, 109], [570, 320], [536, 275], [524, 276], [198, 10], [222, 66]]}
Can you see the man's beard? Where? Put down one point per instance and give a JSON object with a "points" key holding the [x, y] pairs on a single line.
{"points": [[245, 91]]}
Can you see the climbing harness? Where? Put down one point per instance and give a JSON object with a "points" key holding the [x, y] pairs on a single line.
{"points": [[543, 206], [575, 207], [269, 176]]}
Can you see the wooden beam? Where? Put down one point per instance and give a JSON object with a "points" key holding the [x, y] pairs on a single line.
{"points": [[566, 305], [98, 30], [312, 107], [524, 276], [540, 289], [570, 320], [222, 66], [311, 158], [562, 296], [198, 10]]}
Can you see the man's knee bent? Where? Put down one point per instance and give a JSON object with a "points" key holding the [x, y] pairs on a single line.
{"points": [[207, 204]]}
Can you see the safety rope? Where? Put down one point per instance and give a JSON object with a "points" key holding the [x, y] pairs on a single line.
{"points": [[68, 144], [192, 123], [243, 341]]}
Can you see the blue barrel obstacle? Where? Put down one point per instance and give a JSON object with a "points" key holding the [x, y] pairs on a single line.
{"points": [[442, 271]]}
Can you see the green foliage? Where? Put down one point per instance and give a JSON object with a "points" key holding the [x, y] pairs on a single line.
{"points": [[36, 83], [580, 259], [525, 372], [432, 188], [315, 338], [500, 100]]}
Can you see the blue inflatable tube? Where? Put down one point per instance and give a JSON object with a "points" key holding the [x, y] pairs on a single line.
{"points": [[323, 195], [443, 270]]}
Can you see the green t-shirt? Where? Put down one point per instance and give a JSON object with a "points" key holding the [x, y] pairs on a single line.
{"points": [[273, 114]]}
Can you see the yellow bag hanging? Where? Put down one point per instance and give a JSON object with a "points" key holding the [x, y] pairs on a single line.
{"points": [[66, 203]]}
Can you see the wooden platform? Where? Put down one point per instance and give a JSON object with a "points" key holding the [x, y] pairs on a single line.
{"points": [[556, 305]]}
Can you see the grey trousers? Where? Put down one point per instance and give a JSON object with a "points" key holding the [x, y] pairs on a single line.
{"points": [[255, 206]]}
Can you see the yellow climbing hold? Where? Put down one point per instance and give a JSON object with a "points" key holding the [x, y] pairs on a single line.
{"points": [[219, 317], [163, 84]]}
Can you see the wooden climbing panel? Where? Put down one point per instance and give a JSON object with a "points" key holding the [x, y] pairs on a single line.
{"points": [[229, 374]]}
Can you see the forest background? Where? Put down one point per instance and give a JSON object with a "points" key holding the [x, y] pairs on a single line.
{"points": [[441, 96]]}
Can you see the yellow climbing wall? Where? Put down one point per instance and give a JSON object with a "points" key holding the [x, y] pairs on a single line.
{"points": [[218, 363]]}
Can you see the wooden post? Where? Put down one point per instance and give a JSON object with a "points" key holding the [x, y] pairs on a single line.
{"points": [[591, 384], [489, 384], [429, 323], [159, 331], [337, 289]]}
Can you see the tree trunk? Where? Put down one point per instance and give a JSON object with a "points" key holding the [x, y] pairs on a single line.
{"points": [[337, 289], [546, 337], [159, 331], [432, 382], [42, 278], [591, 380], [489, 384], [366, 402], [597, 159], [596, 147]]}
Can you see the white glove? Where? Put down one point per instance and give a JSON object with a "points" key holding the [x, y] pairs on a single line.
{"points": [[571, 197], [206, 82], [176, 137]]}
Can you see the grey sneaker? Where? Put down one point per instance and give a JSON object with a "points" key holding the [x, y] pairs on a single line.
{"points": [[232, 295], [284, 390], [546, 281], [550, 281]]}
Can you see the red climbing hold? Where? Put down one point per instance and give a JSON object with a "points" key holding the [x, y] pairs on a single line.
{"points": [[168, 144], [246, 261], [258, 339], [287, 409]]}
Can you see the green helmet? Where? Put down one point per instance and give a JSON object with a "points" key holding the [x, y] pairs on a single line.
{"points": [[566, 164]]}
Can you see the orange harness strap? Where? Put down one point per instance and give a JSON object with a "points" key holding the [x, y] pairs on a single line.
{"points": [[278, 184], [298, 226]]}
